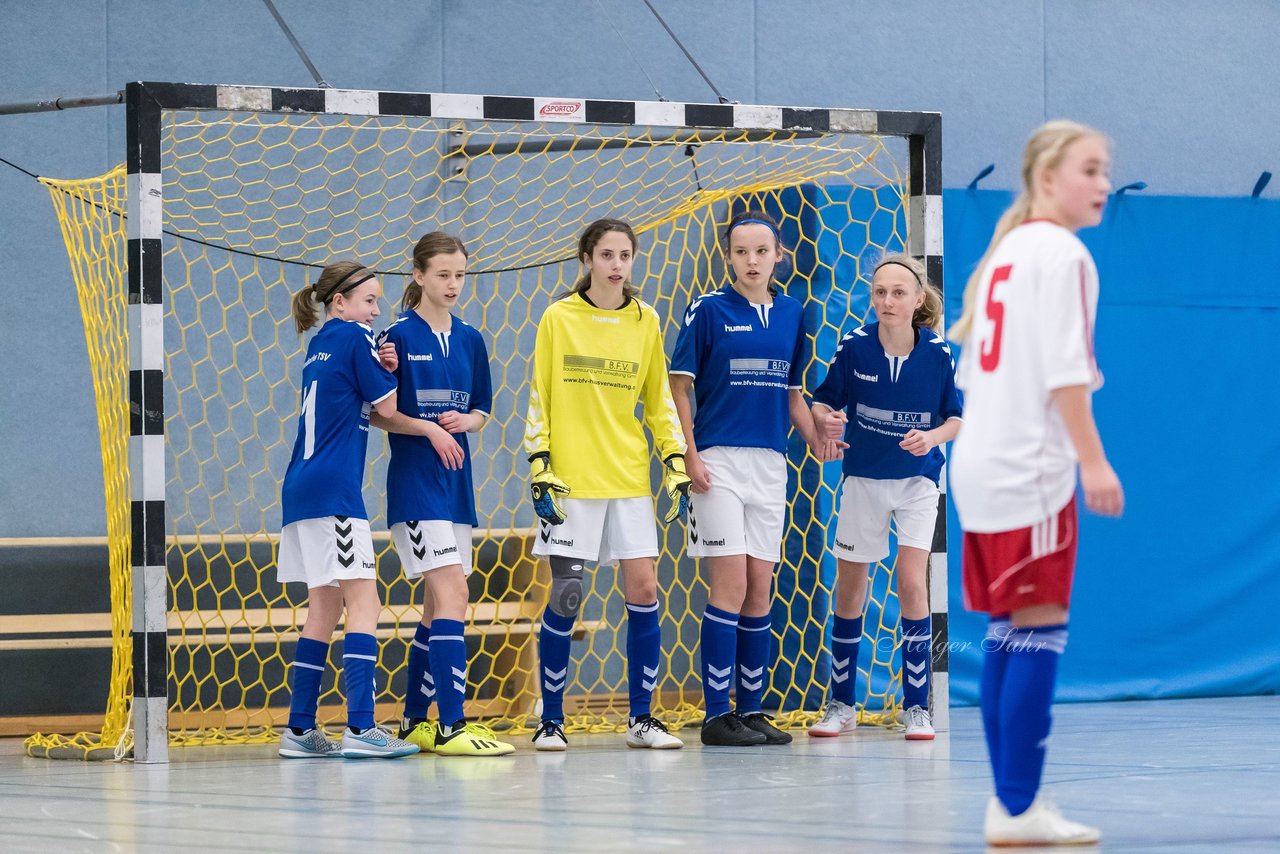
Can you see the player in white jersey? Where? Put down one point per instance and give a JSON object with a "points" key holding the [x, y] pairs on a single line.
{"points": [[444, 393], [325, 541], [598, 355], [742, 351], [896, 379], [1027, 369]]}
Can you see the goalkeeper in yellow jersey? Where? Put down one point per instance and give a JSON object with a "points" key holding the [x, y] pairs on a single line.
{"points": [[599, 352]]}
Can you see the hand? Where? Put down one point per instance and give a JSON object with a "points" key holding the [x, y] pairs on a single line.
{"points": [[830, 424], [456, 422], [830, 450], [446, 446], [387, 356], [677, 484], [544, 487], [1103, 493], [697, 471], [918, 442]]}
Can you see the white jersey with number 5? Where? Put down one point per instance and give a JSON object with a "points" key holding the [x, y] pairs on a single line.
{"points": [[1013, 463]]}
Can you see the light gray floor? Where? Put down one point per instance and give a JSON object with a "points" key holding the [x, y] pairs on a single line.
{"points": [[1189, 775]]}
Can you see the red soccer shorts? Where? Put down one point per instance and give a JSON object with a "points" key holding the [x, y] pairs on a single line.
{"points": [[1009, 570]]}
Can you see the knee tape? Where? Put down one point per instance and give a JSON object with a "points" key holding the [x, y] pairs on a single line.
{"points": [[566, 586]]}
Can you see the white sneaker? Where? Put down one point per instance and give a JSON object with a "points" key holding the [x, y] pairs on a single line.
{"points": [[919, 724], [550, 736], [1041, 824], [648, 731], [311, 744], [837, 719], [374, 743]]}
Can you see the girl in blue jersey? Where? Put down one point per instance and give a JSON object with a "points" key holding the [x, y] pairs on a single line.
{"points": [[896, 378], [325, 541], [444, 393], [742, 350]]}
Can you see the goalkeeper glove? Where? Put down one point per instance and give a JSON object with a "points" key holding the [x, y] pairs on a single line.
{"points": [[676, 483], [544, 487]]}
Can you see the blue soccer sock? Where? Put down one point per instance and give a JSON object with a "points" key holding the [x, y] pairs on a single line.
{"points": [[644, 649], [1026, 698], [754, 639], [719, 645], [553, 658], [916, 644], [418, 692], [995, 660], [846, 634], [309, 662], [359, 662], [449, 667]]}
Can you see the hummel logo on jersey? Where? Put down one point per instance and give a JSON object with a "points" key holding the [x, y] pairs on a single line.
{"points": [[719, 542], [556, 541], [742, 328], [871, 378], [598, 319], [443, 552], [418, 357], [844, 545]]}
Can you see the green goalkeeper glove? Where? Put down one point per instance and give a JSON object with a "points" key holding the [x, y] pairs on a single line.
{"points": [[543, 487], [676, 483]]}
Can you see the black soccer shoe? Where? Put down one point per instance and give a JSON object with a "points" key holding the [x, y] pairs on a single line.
{"points": [[728, 730], [763, 724]]}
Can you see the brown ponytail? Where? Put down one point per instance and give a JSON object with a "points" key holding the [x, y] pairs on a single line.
{"points": [[337, 278]]}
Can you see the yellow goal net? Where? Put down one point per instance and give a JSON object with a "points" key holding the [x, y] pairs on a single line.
{"points": [[256, 200]]}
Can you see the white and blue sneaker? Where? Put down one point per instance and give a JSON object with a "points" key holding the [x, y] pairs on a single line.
{"points": [[374, 743], [312, 744]]}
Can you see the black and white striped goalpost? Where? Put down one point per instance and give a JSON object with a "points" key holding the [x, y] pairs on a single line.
{"points": [[145, 207], [146, 103]]}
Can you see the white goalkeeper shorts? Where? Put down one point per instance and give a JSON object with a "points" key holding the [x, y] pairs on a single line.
{"points": [[427, 545], [868, 505], [323, 551], [603, 530], [745, 510]]}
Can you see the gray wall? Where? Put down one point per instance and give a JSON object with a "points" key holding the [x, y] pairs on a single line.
{"points": [[1186, 89]]}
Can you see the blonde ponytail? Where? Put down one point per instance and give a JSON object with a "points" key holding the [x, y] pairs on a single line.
{"points": [[1044, 151]]}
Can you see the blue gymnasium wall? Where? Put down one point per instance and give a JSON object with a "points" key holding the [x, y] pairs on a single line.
{"points": [[1153, 75]]}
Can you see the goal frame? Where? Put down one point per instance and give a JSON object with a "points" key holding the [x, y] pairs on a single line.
{"points": [[146, 103]]}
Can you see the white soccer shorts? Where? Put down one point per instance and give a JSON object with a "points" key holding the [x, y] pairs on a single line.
{"points": [[323, 551], [603, 530], [866, 508], [745, 510], [424, 546]]}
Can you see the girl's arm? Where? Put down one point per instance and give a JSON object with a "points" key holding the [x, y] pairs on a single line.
{"points": [[680, 386], [1103, 493], [446, 446], [825, 448], [462, 422], [920, 442]]}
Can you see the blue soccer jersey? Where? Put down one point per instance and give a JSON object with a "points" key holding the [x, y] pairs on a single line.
{"points": [[744, 358], [888, 396], [438, 372], [341, 378]]}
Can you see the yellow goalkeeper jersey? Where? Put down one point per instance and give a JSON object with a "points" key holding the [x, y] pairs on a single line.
{"points": [[590, 367]]}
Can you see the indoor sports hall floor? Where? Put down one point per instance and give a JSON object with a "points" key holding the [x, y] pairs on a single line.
{"points": [[1174, 775]]}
